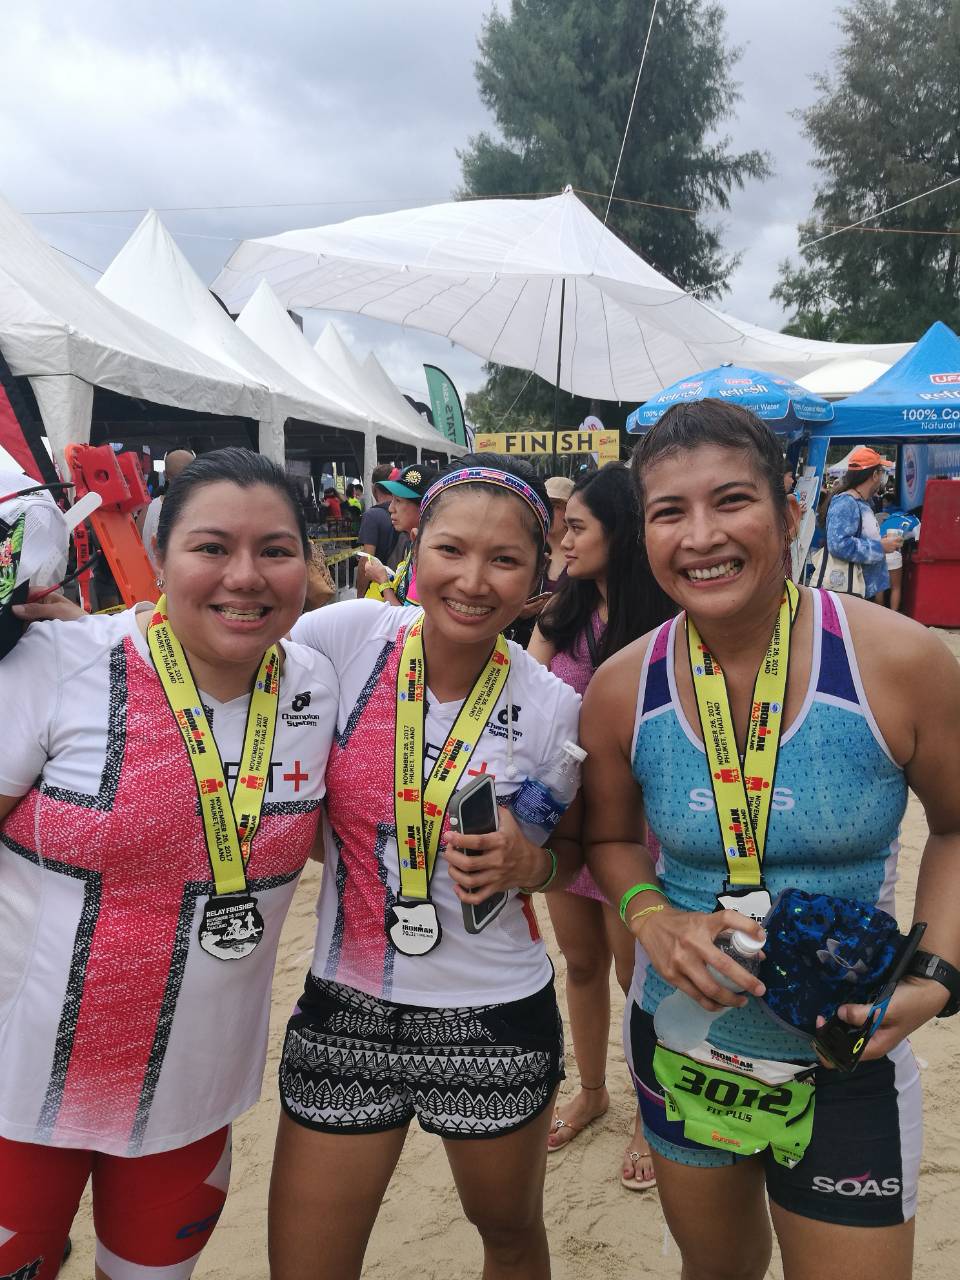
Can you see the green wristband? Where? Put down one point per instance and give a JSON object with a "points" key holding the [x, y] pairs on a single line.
{"points": [[632, 893], [554, 864]]}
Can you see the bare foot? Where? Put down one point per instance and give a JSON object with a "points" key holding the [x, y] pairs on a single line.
{"points": [[637, 1173], [572, 1118]]}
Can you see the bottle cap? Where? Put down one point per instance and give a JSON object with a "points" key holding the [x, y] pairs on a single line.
{"points": [[572, 749], [746, 943]]}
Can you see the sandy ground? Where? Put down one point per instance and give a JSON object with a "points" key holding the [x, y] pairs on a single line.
{"points": [[597, 1230]]}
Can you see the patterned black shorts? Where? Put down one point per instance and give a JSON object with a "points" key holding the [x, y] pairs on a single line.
{"points": [[352, 1063]]}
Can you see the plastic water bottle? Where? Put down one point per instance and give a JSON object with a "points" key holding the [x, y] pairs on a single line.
{"points": [[681, 1023], [539, 803]]}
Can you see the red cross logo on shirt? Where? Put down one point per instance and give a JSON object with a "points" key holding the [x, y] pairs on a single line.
{"points": [[476, 773], [296, 777]]}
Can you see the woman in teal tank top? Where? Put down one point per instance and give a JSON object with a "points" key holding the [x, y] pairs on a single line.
{"points": [[865, 710]]}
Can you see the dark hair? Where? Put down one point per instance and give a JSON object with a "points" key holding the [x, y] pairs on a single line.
{"points": [[854, 478], [241, 467], [514, 466], [635, 601], [689, 426]]}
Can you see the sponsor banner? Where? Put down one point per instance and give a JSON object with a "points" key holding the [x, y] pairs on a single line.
{"points": [[446, 406], [920, 463], [605, 444]]}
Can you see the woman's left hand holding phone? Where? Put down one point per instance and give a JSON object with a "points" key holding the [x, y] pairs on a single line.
{"points": [[483, 865]]}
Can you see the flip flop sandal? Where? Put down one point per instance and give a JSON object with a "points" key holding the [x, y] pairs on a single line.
{"points": [[574, 1130], [637, 1184]]}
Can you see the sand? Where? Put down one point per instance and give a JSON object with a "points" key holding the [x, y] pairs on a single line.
{"points": [[597, 1230]]}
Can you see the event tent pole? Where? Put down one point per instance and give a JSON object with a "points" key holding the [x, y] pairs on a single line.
{"points": [[560, 356]]}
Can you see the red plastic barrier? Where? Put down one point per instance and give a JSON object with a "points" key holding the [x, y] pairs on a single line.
{"points": [[932, 587], [931, 593], [940, 527]]}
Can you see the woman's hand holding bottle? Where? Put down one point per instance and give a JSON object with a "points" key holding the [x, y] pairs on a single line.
{"points": [[682, 944]]}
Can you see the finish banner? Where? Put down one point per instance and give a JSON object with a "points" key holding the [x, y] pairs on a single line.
{"points": [[446, 406], [605, 444]]}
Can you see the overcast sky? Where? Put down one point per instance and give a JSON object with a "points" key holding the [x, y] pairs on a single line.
{"points": [[354, 107]]}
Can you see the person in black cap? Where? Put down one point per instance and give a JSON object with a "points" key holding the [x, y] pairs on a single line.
{"points": [[406, 494]]}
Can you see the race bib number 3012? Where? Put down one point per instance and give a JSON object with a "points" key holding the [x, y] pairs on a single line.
{"points": [[733, 1112]]}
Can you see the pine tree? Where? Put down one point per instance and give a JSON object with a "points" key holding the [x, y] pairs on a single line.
{"points": [[886, 127], [558, 77]]}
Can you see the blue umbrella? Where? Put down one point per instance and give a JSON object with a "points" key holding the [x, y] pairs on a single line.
{"points": [[779, 401]]}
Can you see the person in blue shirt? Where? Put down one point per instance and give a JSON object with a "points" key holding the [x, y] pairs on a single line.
{"points": [[853, 533]]}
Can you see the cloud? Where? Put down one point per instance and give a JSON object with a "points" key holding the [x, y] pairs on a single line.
{"points": [[356, 106], [784, 46]]}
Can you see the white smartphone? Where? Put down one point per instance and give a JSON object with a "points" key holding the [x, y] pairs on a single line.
{"points": [[474, 812]]}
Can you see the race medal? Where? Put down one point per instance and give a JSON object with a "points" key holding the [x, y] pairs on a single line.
{"points": [[231, 927], [420, 806], [743, 788], [755, 904], [413, 927]]}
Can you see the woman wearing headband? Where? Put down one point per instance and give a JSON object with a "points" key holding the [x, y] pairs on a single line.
{"points": [[405, 1013], [769, 735]]}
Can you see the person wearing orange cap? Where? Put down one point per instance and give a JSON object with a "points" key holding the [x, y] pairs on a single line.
{"points": [[853, 533]]}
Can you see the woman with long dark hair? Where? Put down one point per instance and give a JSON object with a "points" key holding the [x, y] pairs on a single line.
{"points": [[852, 531], [608, 599]]}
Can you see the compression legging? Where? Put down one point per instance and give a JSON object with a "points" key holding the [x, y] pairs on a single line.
{"points": [[153, 1214]]}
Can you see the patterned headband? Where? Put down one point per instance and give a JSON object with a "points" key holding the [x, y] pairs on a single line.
{"points": [[502, 480]]}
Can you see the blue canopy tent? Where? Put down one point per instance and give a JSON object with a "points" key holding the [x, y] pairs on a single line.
{"points": [[784, 404], [916, 401]]}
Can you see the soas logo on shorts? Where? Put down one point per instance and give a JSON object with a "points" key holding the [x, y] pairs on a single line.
{"points": [[862, 1186]]}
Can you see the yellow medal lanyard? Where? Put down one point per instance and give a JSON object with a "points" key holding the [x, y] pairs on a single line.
{"points": [[420, 810], [229, 823], [743, 793]]}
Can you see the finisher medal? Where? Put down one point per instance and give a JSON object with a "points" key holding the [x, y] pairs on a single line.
{"points": [[231, 927], [413, 927], [420, 806]]}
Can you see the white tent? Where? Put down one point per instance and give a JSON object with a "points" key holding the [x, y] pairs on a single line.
{"points": [[152, 278], [379, 382], [842, 378], [56, 330], [335, 353], [496, 276], [267, 324]]}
